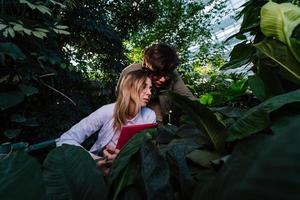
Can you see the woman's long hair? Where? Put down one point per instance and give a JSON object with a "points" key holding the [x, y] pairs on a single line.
{"points": [[128, 103]]}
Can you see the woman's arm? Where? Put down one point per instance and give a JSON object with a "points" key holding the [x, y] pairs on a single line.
{"points": [[82, 130]]}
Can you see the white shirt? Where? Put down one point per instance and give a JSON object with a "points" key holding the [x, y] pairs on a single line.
{"points": [[102, 120]]}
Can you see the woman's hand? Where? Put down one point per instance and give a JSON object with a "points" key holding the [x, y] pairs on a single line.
{"points": [[101, 163], [110, 153]]}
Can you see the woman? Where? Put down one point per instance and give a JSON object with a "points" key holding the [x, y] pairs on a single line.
{"points": [[133, 96]]}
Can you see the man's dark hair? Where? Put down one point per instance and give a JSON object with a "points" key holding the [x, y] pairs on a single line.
{"points": [[160, 58]]}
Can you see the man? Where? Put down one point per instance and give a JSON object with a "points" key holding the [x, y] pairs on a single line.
{"points": [[161, 60]]}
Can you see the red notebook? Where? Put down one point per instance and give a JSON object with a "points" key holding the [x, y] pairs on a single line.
{"points": [[128, 131]]}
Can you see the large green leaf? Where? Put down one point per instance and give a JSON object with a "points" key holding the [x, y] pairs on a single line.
{"points": [[130, 148], [279, 21], [71, 173], [21, 178], [239, 56], [176, 152], [204, 118], [268, 74], [261, 168], [281, 55], [155, 172], [120, 176], [257, 86], [202, 157], [126, 180], [257, 118], [11, 50], [10, 99]]}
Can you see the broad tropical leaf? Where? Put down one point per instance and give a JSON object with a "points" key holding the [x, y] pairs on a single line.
{"points": [[279, 21], [21, 178], [260, 168], [281, 55], [176, 152], [204, 118], [124, 170], [257, 86], [202, 157], [155, 173], [71, 173], [257, 118]]}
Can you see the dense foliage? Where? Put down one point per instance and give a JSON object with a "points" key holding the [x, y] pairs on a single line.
{"points": [[60, 59], [238, 149]]}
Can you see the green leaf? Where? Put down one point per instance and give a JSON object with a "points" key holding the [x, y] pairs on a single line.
{"points": [[39, 34], [177, 152], [260, 168], [17, 118], [268, 73], [11, 50], [32, 6], [71, 173], [2, 26], [281, 55], [236, 63], [155, 172], [61, 32], [126, 179], [43, 9], [280, 126], [12, 133], [42, 30], [202, 157], [239, 56], [57, 3], [206, 99], [27, 31], [279, 21], [10, 99], [61, 27], [130, 148], [18, 27], [28, 90], [204, 118], [5, 33], [229, 111], [257, 118], [11, 32], [257, 86], [21, 178]]}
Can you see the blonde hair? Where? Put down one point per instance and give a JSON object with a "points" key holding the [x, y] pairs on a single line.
{"points": [[128, 102]]}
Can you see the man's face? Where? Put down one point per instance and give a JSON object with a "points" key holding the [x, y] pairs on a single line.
{"points": [[160, 80]]}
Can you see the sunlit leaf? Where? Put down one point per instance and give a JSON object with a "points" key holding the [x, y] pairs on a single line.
{"points": [[279, 21]]}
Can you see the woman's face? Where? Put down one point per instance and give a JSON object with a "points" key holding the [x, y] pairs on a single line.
{"points": [[146, 92]]}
